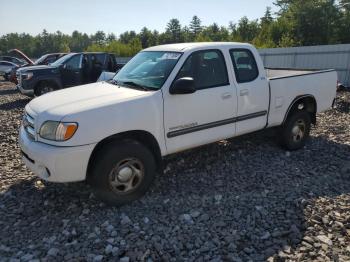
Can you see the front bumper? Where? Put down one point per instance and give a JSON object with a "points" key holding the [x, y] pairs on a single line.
{"points": [[52, 163], [28, 92]]}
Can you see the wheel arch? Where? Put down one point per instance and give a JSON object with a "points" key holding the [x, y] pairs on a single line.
{"points": [[143, 137], [309, 103], [48, 80]]}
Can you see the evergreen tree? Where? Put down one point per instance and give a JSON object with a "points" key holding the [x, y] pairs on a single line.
{"points": [[173, 31], [195, 26]]}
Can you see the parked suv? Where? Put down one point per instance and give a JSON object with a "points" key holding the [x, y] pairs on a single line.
{"points": [[70, 70]]}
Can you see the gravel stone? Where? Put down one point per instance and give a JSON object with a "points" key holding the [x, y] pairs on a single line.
{"points": [[242, 199], [186, 218], [109, 228], [98, 258], [195, 214], [53, 252], [125, 219], [108, 249], [325, 240], [124, 259], [27, 257]]}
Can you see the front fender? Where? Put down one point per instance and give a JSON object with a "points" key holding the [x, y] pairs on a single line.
{"points": [[143, 113]]}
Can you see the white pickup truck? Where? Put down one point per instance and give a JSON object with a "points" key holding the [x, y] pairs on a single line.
{"points": [[166, 99]]}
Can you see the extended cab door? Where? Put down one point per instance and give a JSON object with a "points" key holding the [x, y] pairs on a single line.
{"points": [[72, 71], [98, 62], [252, 90], [208, 114]]}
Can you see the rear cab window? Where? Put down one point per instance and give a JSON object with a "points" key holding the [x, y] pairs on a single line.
{"points": [[207, 68], [246, 69]]}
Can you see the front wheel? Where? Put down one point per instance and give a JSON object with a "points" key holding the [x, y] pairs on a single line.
{"points": [[44, 88], [122, 172], [296, 130]]}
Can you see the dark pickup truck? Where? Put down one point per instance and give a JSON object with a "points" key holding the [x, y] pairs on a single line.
{"points": [[70, 70]]}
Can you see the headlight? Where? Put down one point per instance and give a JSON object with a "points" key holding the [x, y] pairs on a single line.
{"points": [[58, 131], [27, 76]]}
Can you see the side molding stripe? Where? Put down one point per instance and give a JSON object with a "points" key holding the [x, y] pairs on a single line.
{"points": [[215, 124]]}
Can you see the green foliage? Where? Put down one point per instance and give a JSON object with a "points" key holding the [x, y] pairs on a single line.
{"points": [[118, 48], [297, 22]]}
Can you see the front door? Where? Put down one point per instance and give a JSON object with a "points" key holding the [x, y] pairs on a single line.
{"points": [[72, 71], [208, 114]]}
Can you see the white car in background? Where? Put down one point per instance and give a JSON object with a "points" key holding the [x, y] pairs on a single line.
{"points": [[6, 67]]}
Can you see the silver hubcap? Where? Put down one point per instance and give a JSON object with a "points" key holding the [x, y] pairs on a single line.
{"points": [[298, 131], [126, 176]]}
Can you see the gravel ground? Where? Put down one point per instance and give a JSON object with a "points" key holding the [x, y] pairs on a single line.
{"points": [[237, 200]]}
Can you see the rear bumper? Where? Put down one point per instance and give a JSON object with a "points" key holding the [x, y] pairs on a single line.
{"points": [[52, 163]]}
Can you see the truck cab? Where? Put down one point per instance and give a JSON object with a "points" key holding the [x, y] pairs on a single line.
{"points": [[165, 100], [70, 70]]}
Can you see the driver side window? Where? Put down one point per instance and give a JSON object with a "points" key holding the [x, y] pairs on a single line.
{"points": [[207, 68], [74, 62]]}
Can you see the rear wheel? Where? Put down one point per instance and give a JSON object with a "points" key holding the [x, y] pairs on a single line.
{"points": [[122, 172], [296, 130]]}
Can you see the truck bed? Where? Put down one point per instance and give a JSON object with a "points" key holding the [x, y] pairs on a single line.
{"points": [[273, 73], [286, 85]]}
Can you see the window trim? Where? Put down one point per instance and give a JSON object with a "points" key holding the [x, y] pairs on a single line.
{"points": [[202, 51], [235, 66]]}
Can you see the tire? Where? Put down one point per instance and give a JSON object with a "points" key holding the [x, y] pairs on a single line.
{"points": [[296, 130], [44, 88], [122, 172]]}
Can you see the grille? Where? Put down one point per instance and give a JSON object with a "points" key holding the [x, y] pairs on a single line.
{"points": [[28, 124], [19, 78]]}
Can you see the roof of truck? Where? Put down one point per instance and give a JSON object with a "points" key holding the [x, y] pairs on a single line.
{"points": [[188, 46]]}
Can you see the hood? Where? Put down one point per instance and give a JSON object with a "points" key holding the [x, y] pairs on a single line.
{"points": [[36, 68], [22, 55], [81, 98]]}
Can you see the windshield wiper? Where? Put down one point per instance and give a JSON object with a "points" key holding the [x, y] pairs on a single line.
{"points": [[112, 81], [135, 85]]}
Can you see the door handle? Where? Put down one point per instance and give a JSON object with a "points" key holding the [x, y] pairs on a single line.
{"points": [[244, 92], [226, 96]]}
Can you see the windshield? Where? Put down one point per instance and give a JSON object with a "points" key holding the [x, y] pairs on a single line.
{"points": [[41, 59], [148, 69], [62, 59]]}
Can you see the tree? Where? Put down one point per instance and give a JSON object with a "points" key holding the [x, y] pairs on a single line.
{"points": [[267, 19], [247, 30], [146, 37], [127, 36], [173, 31], [111, 37], [195, 26], [99, 37], [312, 22]]}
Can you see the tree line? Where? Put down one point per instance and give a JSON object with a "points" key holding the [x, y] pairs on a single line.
{"points": [[296, 23]]}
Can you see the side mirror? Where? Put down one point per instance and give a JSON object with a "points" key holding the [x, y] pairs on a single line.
{"points": [[182, 86]]}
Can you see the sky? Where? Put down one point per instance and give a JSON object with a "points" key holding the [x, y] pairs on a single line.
{"points": [[118, 16]]}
